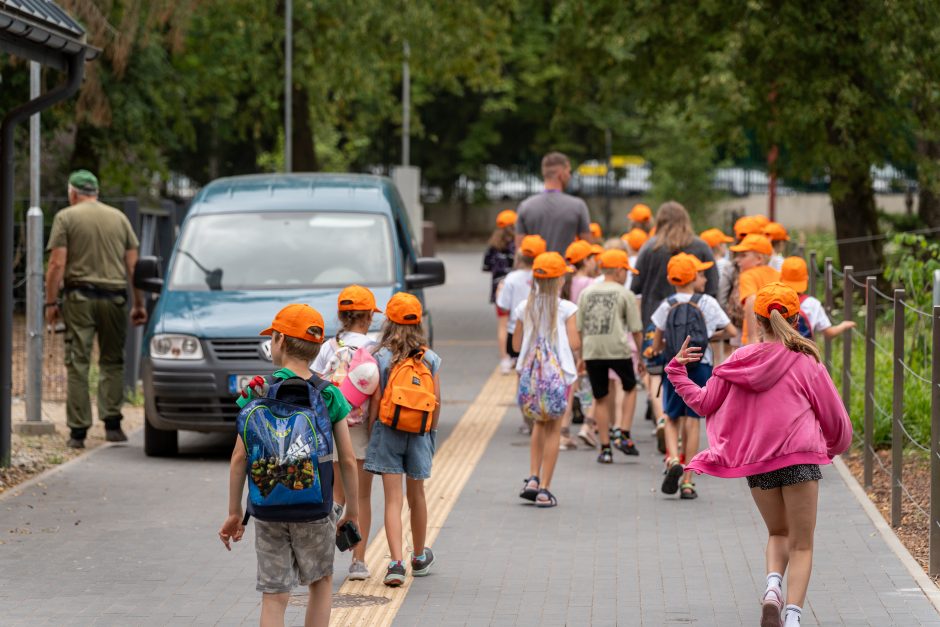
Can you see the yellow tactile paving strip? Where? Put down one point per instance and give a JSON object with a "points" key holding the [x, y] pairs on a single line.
{"points": [[453, 463]]}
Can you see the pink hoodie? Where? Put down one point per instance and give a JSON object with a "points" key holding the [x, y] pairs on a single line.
{"points": [[766, 408]]}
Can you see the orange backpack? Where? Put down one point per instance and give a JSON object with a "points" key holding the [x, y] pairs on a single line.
{"points": [[409, 400]]}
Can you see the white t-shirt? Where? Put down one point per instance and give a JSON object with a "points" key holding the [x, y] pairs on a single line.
{"points": [[715, 317], [776, 262], [816, 314], [630, 275], [322, 363], [515, 290], [566, 309]]}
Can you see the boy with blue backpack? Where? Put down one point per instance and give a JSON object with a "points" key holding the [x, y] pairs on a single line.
{"points": [[289, 430], [689, 313]]}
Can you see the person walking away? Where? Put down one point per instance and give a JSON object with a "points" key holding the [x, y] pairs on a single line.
{"points": [[556, 216], [355, 309], [294, 541], [547, 340], [580, 256], [93, 251], [774, 416], [403, 415], [727, 276], [517, 284], [498, 260], [641, 217], [606, 313], [687, 314], [752, 256], [778, 237], [813, 319]]}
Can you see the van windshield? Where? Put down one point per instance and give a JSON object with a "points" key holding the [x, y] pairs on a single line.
{"points": [[271, 251]]}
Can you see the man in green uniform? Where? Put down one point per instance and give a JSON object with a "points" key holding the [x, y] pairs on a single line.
{"points": [[93, 251]]}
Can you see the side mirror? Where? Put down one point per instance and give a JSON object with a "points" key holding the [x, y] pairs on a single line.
{"points": [[147, 275], [428, 272]]}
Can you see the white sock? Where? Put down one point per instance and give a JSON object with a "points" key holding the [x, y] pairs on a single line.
{"points": [[794, 613], [774, 580]]}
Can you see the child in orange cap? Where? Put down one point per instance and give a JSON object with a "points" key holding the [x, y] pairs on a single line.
{"points": [[394, 452], [774, 417], [295, 542], [547, 340], [498, 260], [813, 318], [580, 255], [607, 312], [515, 289], [641, 217], [778, 237], [355, 309], [688, 313], [752, 256]]}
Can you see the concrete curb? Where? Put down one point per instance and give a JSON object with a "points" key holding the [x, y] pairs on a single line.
{"points": [[45, 474], [930, 589]]}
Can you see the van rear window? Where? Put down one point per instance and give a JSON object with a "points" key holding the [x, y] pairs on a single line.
{"points": [[274, 251]]}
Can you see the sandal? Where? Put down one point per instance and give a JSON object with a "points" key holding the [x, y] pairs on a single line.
{"points": [[530, 493], [674, 472], [688, 491], [549, 499]]}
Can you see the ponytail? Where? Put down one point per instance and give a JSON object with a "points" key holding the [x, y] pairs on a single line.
{"points": [[785, 330]]}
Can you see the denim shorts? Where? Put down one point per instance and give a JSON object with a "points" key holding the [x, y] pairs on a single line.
{"points": [[393, 452], [673, 405]]}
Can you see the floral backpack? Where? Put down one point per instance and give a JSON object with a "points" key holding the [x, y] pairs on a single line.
{"points": [[543, 394]]}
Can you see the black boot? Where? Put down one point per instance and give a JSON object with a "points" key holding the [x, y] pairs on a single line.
{"points": [[113, 431], [77, 438]]}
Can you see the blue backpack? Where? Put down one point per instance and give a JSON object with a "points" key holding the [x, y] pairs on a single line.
{"points": [[290, 452], [803, 325]]}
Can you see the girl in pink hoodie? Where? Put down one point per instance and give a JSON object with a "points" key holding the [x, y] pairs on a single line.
{"points": [[773, 416]]}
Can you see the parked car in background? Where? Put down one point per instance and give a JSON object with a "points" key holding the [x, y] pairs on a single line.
{"points": [[249, 246]]}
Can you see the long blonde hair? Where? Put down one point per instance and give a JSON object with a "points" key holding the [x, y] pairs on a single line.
{"points": [[784, 329], [673, 227], [401, 339], [542, 306]]}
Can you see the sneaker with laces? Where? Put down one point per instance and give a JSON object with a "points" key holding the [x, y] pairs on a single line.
{"points": [[606, 456], [771, 605], [395, 575], [421, 566], [358, 571], [626, 446]]}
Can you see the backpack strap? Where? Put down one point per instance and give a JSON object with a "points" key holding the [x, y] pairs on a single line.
{"points": [[672, 300], [696, 298]]}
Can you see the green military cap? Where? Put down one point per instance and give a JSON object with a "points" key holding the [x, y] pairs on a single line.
{"points": [[84, 181]]}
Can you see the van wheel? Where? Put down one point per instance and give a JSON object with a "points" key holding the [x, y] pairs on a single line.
{"points": [[159, 443]]}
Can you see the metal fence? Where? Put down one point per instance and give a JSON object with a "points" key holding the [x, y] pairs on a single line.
{"points": [[852, 284]]}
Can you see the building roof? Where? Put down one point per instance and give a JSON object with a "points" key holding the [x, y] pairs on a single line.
{"points": [[40, 30]]}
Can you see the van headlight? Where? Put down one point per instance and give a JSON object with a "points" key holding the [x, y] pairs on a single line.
{"points": [[169, 346]]}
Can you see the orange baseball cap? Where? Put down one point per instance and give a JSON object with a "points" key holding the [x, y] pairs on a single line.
{"points": [[578, 251], [640, 213], [761, 219], [299, 321], [505, 218], [635, 238], [777, 296], [615, 258], [532, 246], [756, 243], [683, 268], [403, 308], [356, 298], [596, 230], [775, 232], [748, 225], [597, 249], [713, 237], [794, 273], [549, 265]]}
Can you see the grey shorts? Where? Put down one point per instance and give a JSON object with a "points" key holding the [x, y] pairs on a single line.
{"points": [[393, 452], [293, 553]]}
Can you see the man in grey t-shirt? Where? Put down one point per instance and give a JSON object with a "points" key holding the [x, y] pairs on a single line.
{"points": [[553, 214]]}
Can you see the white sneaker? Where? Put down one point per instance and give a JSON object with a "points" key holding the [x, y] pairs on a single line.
{"points": [[358, 571], [505, 365]]}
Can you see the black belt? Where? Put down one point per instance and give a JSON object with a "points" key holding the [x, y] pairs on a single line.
{"points": [[93, 291]]}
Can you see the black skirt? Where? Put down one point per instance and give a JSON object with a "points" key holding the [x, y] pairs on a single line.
{"points": [[791, 475]]}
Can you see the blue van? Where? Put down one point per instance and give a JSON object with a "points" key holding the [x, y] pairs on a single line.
{"points": [[249, 246]]}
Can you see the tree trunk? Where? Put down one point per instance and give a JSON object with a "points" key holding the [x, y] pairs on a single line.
{"points": [[928, 205], [303, 152], [853, 206]]}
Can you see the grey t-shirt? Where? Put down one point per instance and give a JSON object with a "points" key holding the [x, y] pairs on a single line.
{"points": [[556, 216]]}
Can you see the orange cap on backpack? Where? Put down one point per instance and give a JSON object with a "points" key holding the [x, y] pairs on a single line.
{"points": [[779, 297], [298, 321], [532, 246], [403, 308], [356, 298]]}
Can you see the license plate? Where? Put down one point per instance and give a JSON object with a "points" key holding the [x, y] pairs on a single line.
{"points": [[238, 382]]}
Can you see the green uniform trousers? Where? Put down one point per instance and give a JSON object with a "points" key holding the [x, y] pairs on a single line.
{"points": [[84, 317]]}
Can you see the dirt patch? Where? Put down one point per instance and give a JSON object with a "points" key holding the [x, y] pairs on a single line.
{"points": [[35, 454], [914, 531]]}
